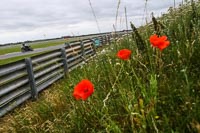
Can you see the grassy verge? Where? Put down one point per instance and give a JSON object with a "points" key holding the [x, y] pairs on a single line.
{"points": [[152, 92]]}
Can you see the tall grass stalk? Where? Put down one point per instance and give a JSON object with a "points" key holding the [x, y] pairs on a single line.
{"points": [[93, 12], [117, 13]]}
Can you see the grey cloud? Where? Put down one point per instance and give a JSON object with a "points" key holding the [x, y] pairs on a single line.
{"points": [[42, 14], [31, 15]]}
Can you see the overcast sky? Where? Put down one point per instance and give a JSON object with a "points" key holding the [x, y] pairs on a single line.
{"points": [[22, 20]]}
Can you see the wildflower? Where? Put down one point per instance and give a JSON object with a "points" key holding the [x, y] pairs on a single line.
{"points": [[159, 42], [83, 89], [124, 54], [157, 117]]}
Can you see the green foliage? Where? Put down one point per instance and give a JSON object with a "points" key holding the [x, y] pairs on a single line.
{"points": [[151, 92]]}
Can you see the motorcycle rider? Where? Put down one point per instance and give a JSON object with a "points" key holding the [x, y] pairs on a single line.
{"points": [[25, 47]]}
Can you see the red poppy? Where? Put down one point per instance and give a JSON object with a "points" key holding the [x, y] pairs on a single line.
{"points": [[83, 89], [124, 54], [159, 42]]}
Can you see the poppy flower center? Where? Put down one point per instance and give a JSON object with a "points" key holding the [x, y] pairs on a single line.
{"points": [[85, 90]]}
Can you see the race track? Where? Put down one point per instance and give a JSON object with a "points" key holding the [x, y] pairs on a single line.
{"points": [[15, 54]]}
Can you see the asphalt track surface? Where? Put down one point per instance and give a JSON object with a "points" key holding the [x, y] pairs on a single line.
{"points": [[39, 50]]}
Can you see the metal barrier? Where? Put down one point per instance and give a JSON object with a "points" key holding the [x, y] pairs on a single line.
{"points": [[24, 79]]}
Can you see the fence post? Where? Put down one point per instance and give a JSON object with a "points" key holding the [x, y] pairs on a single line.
{"points": [[29, 67], [106, 39], [67, 45], [64, 59], [82, 49], [93, 45], [101, 40], [109, 41]]}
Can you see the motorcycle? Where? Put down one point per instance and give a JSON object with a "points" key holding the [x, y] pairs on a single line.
{"points": [[26, 49]]}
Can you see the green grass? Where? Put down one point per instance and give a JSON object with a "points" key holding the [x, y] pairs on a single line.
{"points": [[14, 59], [17, 48], [151, 92], [42, 44]]}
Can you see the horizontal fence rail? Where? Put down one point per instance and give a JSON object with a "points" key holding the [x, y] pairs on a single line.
{"points": [[24, 79]]}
